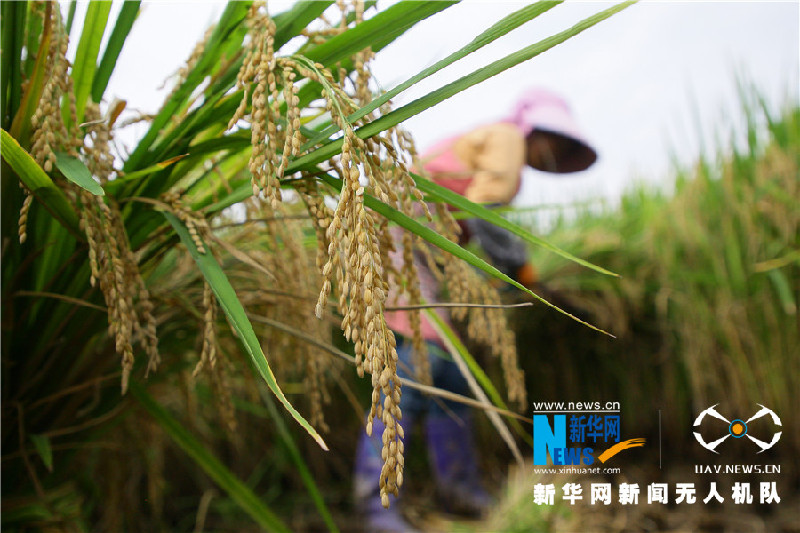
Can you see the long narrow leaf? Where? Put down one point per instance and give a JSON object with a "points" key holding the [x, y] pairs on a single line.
{"points": [[43, 448], [450, 247], [13, 26], [431, 99], [237, 317], [297, 459], [73, 6], [380, 40], [443, 193], [388, 24], [781, 285], [125, 20], [497, 30], [233, 15], [239, 194], [198, 120], [238, 491], [20, 18], [117, 184], [290, 23], [38, 182], [21, 124], [367, 34], [94, 26], [457, 351], [479, 375], [34, 27]]}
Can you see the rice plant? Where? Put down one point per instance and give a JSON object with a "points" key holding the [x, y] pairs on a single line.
{"points": [[149, 294]]}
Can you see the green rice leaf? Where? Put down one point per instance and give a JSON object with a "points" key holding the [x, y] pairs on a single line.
{"points": [[94, 26], [43, 448], [13, 32], [35, 26], [21, 123], [197, 121], [497, 30], [238, 491], [115, 185], [386, 25], [125, 20], [237, 317], [288, 24], [25, 514], [38, 182], [73, 6], [310, 91], [782, 287], [291, 22], [431, 99], [459, 353], [76, 172], [475, 369], [232, 17], [450, 247], [444, 194], [299, 462]]}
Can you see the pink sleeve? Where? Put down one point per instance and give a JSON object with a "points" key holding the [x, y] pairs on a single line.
{"points": [[429, 288]]}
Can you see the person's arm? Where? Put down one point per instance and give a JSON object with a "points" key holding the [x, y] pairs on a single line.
{"points": [[496, 155]]}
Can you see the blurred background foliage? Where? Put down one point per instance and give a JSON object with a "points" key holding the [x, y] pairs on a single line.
{"points": [[706, 307], [705, 313]]}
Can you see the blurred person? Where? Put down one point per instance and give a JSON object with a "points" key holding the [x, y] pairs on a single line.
{"points": [[484, 165]]}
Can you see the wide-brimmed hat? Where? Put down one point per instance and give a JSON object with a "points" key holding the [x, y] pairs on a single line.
{"points": [[542, 110]]}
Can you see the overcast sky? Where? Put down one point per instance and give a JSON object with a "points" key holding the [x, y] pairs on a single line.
{"points": [[656, 79]]}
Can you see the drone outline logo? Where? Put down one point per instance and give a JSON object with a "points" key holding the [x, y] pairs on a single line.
{"points": [[738, 428]]}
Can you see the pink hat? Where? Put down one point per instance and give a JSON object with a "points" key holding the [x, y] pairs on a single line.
{"points": [[542, 110]]}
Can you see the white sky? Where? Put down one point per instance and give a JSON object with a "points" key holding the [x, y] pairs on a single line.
{"points": [[656, 79]]}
